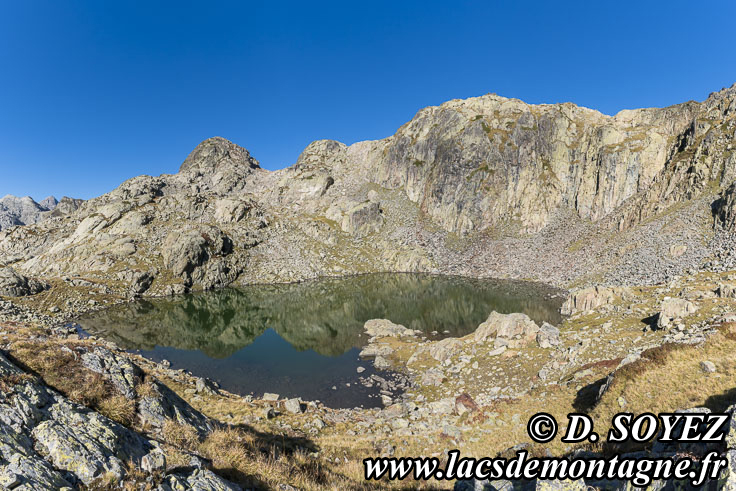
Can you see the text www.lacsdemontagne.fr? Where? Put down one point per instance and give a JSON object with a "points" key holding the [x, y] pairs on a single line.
{"points": [[640, 472]]}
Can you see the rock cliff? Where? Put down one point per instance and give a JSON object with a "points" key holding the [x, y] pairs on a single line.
{"points": [[486, 186]]}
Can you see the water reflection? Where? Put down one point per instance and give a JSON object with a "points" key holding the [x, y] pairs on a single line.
{"points": [[302, 339], [326, 315]]}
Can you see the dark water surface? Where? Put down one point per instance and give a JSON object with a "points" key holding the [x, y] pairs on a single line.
{"points": [[302, 339]]}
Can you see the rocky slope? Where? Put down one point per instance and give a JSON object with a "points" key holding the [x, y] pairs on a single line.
{"points": [[486, 186]]}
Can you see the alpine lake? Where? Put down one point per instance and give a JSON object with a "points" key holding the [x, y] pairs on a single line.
{"points": [[303, 339]]}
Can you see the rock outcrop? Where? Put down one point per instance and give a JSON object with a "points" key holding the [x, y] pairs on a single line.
{"points": [[592, 298], [13, 284], [49, 442]]}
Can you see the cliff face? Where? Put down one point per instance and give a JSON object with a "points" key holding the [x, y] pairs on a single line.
{"points": [[478, 163], [486, 186]]}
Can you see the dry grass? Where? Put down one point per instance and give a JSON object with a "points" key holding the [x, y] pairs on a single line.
{"points": [[118, 408], [10, 381], [62, 370], [58, 365], [669, 378], [180, 435]]}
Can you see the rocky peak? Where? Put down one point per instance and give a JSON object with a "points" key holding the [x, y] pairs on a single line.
{"points": [[216, 154], [49, 203], [318, 152]]}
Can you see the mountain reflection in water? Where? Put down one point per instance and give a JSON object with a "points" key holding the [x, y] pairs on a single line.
{"points": [[303, 323]]}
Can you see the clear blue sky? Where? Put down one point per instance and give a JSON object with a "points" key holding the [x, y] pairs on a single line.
{"points": [[92, 93]]}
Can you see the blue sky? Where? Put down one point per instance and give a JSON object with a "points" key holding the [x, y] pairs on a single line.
{"points": [[92, 93]]}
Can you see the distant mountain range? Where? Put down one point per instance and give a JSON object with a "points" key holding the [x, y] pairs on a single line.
{"points": [[24, 211]]}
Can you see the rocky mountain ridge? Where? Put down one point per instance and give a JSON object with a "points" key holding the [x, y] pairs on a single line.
{"points": [[25, 211], [486, 186]]}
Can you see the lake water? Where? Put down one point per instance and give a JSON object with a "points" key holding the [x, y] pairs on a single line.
{"points": [[303, 339]]}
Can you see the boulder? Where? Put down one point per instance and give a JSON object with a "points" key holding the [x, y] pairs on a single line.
{"points": [[199, 479], [677, 250], [483, 485], [141, 282], [230, 210], [363, 218], [559, 485], [383, 328], [432, 377], [548, 336], [119, 370], [154, 462], [512, 330], [726, 290], [445, 349], [673, 309], [161, 404], [592, 298], [13, 284], [294, 406]]}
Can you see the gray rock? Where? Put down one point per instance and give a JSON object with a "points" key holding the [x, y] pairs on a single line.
{"points": [[164, 404], [154, 462], [294, 406], [433, 377], [119, 370], [13, 284], [726, 290], [483, 485], [673, 309], [557, 485], [200, 480], [548, 336], [204, 386], [66, 437], [512, 330], [382, 328], [708, 366]]}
